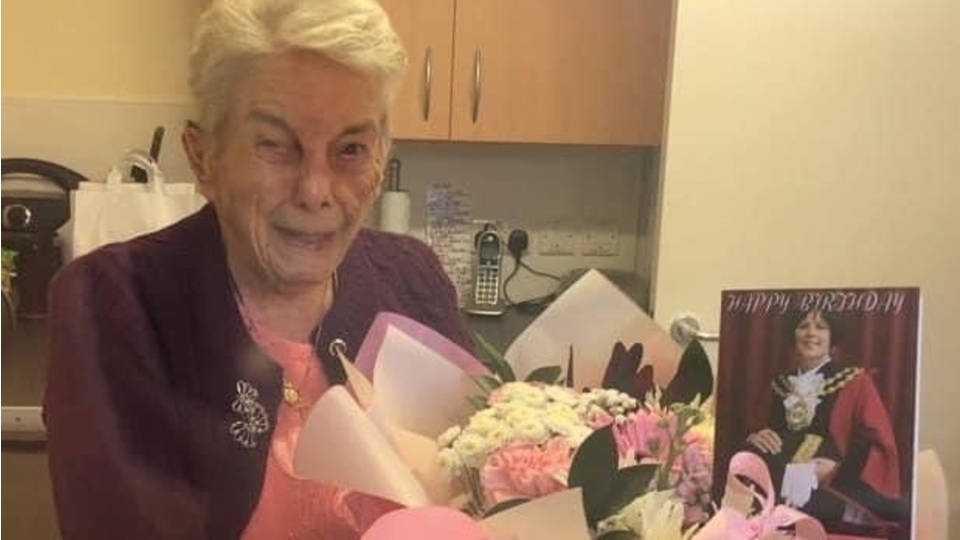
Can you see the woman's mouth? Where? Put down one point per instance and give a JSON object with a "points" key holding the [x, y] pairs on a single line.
{"points": [[305, 239]]}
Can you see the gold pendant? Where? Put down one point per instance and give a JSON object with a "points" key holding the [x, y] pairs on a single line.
{"points": [[799, 416], [290, 394]]}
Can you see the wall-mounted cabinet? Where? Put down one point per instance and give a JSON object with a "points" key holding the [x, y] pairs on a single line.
{"points": [[422, 106], [576, 71]]}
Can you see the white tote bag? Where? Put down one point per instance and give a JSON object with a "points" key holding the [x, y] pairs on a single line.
{"points": [[114, 211]]}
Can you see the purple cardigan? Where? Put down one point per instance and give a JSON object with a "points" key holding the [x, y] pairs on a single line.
{"points": [[147, 348]]}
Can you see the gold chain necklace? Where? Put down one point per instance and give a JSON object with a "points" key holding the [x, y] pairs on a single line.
{"points": [[291, 392]]}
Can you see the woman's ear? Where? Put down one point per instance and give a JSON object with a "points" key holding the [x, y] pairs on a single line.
{"points": [[196, 145], [378, 182]]}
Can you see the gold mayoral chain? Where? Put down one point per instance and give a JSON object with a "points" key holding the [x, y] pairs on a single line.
{"points": [[800, 414]]}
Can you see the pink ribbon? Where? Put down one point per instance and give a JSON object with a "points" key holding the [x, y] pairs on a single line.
{"points": [[731, 523]]}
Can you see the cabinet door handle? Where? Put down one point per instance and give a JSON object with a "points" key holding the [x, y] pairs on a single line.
{"points": [[477, 77], [427, 82]]}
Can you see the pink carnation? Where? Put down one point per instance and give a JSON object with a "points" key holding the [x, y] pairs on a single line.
{"points": [[599, 418], [526, 470], [693, 482]]}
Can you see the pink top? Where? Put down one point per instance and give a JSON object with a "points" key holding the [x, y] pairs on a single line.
{"points": [[292, 507]]}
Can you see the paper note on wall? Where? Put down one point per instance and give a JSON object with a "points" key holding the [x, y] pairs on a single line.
{"points": [[449, 232]]}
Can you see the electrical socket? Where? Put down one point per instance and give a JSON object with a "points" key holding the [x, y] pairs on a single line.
{"points": [[555, 239], [600, 239]]}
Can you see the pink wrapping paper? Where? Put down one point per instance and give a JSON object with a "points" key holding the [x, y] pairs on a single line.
{"points": [[733, 523], [372, 344], [429, 523]]}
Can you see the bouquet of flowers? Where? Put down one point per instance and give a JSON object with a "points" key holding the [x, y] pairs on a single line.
{"points": [[613, 445], [642, 462]]}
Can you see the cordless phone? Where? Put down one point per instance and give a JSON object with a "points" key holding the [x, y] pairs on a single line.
{"points": [[487, 297]]}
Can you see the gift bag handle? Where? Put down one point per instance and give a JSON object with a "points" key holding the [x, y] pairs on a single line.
{"points": [[141, 159]]}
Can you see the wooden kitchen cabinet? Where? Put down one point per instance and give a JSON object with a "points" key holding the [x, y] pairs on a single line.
{"points": [[546, 71], [422, 106]]}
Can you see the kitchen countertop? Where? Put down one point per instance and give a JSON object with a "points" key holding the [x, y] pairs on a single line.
{"points": [[500, 331]]}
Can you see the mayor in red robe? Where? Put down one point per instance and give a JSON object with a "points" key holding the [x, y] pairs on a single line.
{"points": [[832, 415]]}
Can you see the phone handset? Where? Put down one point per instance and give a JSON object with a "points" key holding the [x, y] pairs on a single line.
{"points": [[487, 295]]}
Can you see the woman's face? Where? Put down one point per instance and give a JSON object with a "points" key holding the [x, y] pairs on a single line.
{"points": [[295, 167], [812, 336]]}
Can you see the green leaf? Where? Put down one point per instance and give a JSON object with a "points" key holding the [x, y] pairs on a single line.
{"points": [[505, 505], [694, 377], [9, 260], [545, 374], [478, 402], [594, 469], [630, 483], [486, 383], [494, 361]]}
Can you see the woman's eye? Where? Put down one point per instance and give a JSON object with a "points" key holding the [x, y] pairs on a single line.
{"points": [[353, 149], [277, 151], [353, 157]]}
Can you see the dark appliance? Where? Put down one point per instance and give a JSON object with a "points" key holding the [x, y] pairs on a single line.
{"points": [[35, 203]]}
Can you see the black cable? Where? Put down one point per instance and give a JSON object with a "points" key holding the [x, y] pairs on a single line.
{"points": [[537, 302], [506, 296], [556, 278]]}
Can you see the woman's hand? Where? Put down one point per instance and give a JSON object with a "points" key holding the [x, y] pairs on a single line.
{"points": [[766, 440]]}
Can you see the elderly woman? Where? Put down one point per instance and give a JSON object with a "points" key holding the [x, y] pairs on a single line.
{"points": [[184, 362]]}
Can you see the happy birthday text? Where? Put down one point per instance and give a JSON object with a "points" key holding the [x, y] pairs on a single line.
{"points": [[869, 301]]}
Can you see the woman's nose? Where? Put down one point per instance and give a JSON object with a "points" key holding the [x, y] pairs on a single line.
{"points": [[314, 187]]}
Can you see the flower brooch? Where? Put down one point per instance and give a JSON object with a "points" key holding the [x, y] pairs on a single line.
{"points": [[253, 420]]}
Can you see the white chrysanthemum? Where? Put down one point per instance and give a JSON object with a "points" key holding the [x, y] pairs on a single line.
{"points": [[578, 434], [472, 449], [560, 411], [531, 430], [521, 415], [499, 437], [449, 461], [488, 413], [522, 392], [484, 425], [447, 437], [561, 394], [612, 401], [567, 425]]}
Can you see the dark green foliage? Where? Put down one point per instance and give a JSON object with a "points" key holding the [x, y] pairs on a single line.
{"points": [[694, 377]]}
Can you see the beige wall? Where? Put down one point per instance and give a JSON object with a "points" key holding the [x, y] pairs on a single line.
{"points": [[126, 49], [812, 144]]}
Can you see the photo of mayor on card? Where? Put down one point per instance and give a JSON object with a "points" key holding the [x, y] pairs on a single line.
{"points": [[822, 384]]}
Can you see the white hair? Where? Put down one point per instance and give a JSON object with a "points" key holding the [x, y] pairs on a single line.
{"points": [[232, 33]]}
